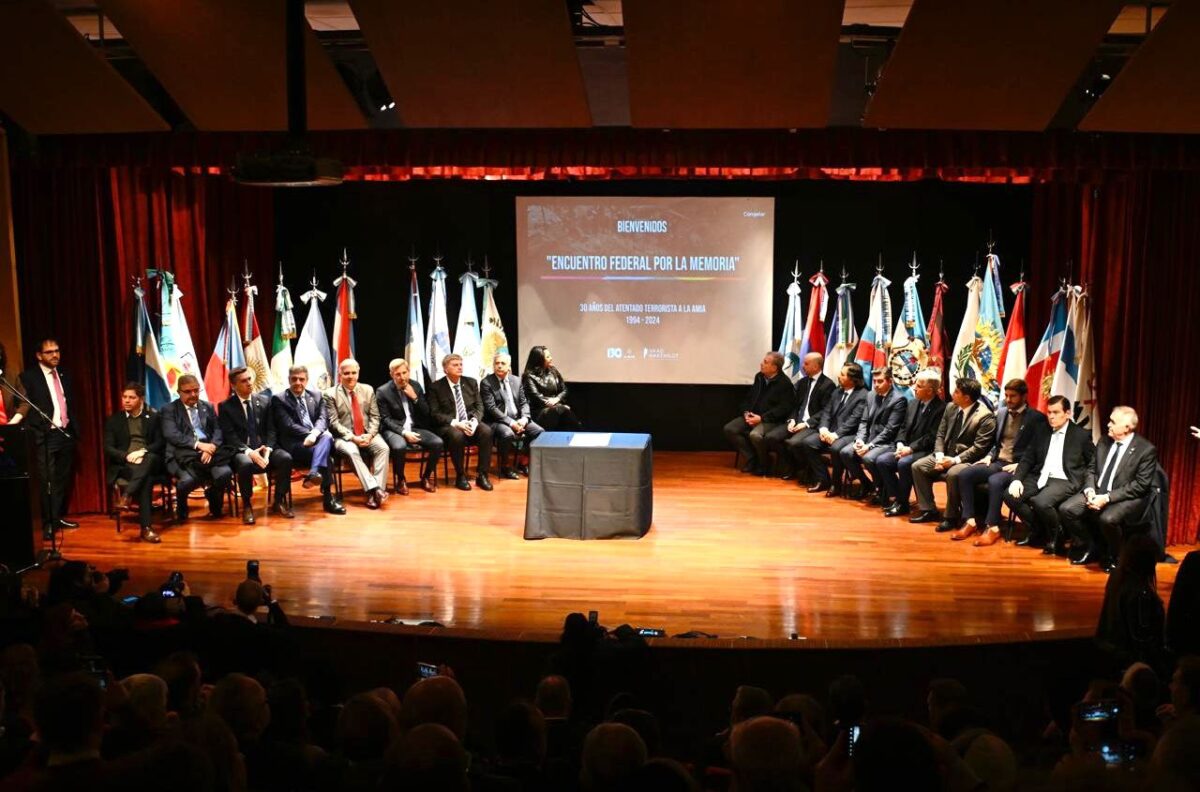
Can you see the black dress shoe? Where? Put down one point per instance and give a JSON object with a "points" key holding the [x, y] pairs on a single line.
{"points": [[872, 499], [311, 480], [833, 492], [523, 470], [429, 483], [67, 524], [282, 510], [868, 495], [1031, 539], [787, 475], [818, 487], [483, 483], [148, 535], [1086, 557], [248, 516], [947, 525], [927, 516], [334, 506], [508, 473], [1108, 565], [462, 484], [897, 509]]}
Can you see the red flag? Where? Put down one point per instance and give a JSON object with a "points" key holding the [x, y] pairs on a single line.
{"points": [[936, 332], [226, 356], [1013, 363], [343, 316]]}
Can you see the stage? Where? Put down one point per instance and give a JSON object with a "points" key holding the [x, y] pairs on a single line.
{"points": [[728, 554]]}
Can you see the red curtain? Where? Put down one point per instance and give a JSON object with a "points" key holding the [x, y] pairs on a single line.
{"points": [[83, 234]]}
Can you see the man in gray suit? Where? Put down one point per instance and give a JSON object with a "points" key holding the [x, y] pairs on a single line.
{"points": [[967, 431], [506, 408], [353, 417]]}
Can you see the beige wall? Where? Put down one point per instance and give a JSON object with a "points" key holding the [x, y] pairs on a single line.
{"points": [[10, 313]]}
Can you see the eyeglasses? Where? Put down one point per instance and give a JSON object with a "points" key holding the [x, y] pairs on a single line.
{"points": [[189, 390]]}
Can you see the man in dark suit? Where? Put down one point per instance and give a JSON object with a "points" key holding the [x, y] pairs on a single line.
{"points": [[1053, 468], [1016, 424], [133, 450], [301, 430], [50, 389], [1115, 491], [767, 404], [404, 413], [193, 437], [881, 420], [812, 394], [967, 431], [249, 435], [837, 428], [892, 469], [506, 409], [457, 411]]}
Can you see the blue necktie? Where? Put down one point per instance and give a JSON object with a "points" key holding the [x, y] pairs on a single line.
{"points": [[194, 412], [304, 416], [251, 425]]}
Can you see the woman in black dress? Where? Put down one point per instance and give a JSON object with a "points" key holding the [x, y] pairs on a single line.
{"points": [[547, 392]]}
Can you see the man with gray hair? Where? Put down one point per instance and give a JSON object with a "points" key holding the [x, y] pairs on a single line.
{"points": [[766, 406], [458, 413], [352, 413], [892, 469], [506, 408], [1115, 491], [302, 430], [408, 424]]}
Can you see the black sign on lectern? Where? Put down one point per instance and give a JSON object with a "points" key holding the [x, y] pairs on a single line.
{"points": [[17, 536]]}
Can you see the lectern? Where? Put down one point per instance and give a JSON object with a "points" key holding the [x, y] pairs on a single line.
{"points": [[19, 541]]}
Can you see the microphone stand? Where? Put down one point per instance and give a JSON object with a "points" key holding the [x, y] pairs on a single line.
{"points": [[52, 554]]}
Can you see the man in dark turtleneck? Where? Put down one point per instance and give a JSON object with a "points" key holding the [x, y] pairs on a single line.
{"points": [[133, 447]]}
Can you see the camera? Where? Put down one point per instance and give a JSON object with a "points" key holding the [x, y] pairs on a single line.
{"points": [[426, 670], [174, 585], [252, 571]]}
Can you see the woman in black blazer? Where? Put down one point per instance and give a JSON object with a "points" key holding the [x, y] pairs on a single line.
{"points": [[547, 392]]}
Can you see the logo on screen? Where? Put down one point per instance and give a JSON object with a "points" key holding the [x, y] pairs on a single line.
{"points": [[615, 352]]}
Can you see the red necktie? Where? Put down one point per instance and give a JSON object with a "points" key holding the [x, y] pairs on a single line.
{"points": [[359, 427], [60, 399]]}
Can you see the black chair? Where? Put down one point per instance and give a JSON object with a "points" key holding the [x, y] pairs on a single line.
{"points": [[166, 496], [412, 453]]}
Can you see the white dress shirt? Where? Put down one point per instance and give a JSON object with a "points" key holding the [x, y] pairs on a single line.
{"points": [[1052, 468]]}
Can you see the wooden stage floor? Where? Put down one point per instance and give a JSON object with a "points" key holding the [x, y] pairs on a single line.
{"points": [[728, 554]]}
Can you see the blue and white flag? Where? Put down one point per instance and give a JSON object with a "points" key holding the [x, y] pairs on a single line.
{"points": [[989, 335], [872, 347], [174, 338], [437, 337], [1066, 370], [312, 348], [466, 334], [145, 361], [793, 330], [414, 339], [843, 337], [909, 352]]}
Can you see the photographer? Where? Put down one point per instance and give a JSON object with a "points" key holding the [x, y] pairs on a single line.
{"points": [[252, 636]]}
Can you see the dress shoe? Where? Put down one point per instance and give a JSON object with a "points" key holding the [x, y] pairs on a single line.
{"points": [[833, 492], [181, 511], [247, 516], [311, 480], [1031, 539], [462, 484], [333, 506], [402, 487], [373, 499], [818, 487], [148, 535], [872, 499], [483, 483], [990, 537], [123, 503], [948, 525], [787, 475], [429, 483], [283, 510], [67, 525], [1108, 565], [381, 496], [1055, 547], [1086, 557], [750, 468], [508, 473], [926, 516], [868, 495], [966, 532], [897, 509], [523, 470]]}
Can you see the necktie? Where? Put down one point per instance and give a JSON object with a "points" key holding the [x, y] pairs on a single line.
{"points": [[305, 418], [251, 425], [356, 410], [955, 429], [60, 399], [194, 413], [1110, 467], [510, 408], [459, 406]]}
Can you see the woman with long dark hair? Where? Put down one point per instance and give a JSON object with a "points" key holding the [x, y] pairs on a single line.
{"points": [[547, 392], [1132, 618]]}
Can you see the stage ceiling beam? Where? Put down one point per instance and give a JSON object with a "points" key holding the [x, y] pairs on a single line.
{"points": [[475, 64], [224, 63], [1158, 90], [987, 64], [57, 83], [713, 64]]}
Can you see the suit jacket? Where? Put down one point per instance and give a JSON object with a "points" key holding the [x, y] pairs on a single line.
{"points": [[339, 413], [32, 383], [882, 418], [975, 436], [493, 398], [1078, 453], [542, 384], [919, 434], [235, 431], [1033, 423], [822, 390], [391, 408], [288, 420], [772, 399], [1134, 475], [178, 433], [441, 401], [841, 419], [116, 439]]}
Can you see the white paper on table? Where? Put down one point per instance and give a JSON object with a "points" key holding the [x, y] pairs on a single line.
{"points": [[590, 439]]}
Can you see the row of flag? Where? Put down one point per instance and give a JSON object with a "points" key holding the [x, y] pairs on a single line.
{"points": [[984, 349], [159, 360]]}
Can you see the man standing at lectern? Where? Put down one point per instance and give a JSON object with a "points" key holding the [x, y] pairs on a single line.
{"points": [[50, 389]]}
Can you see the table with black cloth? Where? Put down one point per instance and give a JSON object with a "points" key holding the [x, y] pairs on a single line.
{"points": [[581, 491]]}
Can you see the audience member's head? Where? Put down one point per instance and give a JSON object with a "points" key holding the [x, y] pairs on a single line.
{"points": [[250, 596], [554, 697], [181, 672], [612, 755], [1185, 686], [749, 702], [765, 755], [663, 775], [578, 632], [992, 762], [145, 704], [1139, 558], [521, 735], [645, 724], [438, 699], [802, 708], [390, 700], [1183, 612], [892, 754], [241, 702], [69, 713], [1144, 688], [365, 728], [289, 711], [427, 758], [847, 700], [945, 695]]}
